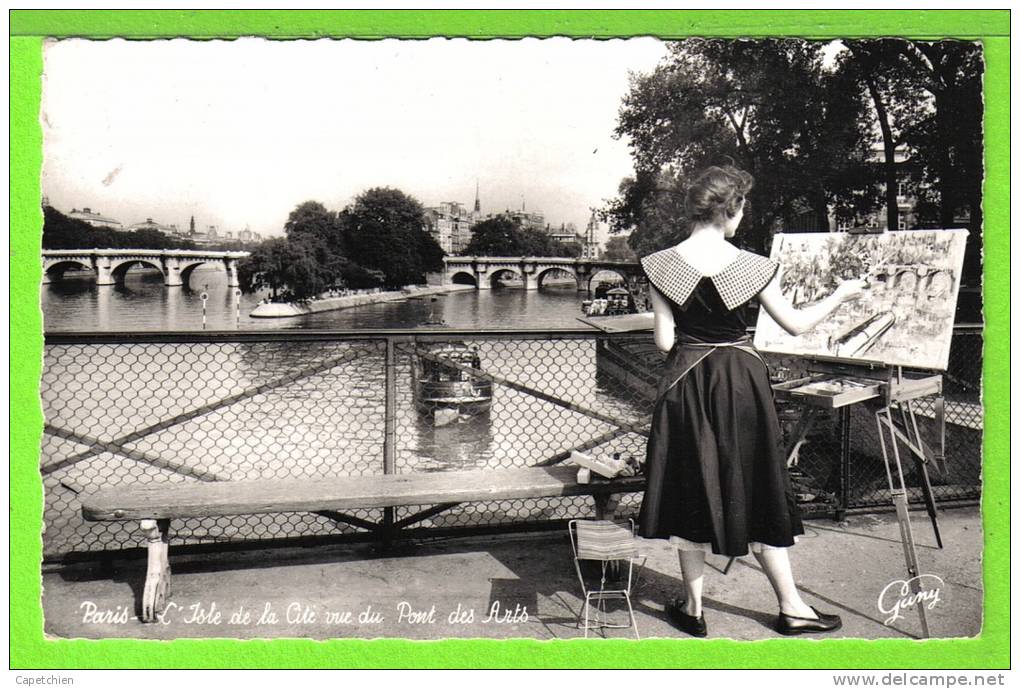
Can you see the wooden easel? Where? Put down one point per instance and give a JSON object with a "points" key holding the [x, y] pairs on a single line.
{"points": [[837, 384]]}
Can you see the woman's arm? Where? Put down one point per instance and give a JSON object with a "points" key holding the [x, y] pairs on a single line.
{"points": [[664, 328], [796, 321]]}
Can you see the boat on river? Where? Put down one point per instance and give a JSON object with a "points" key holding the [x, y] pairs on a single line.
{"points": [[444, 392], [610, 300]]}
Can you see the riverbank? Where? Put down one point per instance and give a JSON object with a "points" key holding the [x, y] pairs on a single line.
{"points": [[288, 310]]}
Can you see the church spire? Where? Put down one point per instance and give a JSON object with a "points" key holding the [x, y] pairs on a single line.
{"points": [[478, 201]]}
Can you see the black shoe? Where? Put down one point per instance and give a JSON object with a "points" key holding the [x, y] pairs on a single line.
{"points": [[790, 625], [695, 626]]}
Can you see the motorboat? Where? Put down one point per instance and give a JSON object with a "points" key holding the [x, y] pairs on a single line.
{"points": [[445, 390]]}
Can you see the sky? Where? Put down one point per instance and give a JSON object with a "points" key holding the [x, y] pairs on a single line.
{"points": [[238, 133]]}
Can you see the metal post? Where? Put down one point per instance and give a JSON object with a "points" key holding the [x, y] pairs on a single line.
{"points": [[844, 463], [390, 434]]}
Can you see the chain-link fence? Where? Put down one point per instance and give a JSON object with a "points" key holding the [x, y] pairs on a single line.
{"points": [[235, 406]]}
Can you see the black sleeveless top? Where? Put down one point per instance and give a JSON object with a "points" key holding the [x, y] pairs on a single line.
{"points": [[709, 308]]}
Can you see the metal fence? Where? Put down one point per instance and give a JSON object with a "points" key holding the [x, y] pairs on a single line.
{"points": [[231, 406]]}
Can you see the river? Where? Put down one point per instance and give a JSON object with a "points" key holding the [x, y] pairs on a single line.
{"points": [[144, 303], [299, 409]]}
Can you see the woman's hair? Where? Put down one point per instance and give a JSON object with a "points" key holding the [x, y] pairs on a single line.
{"points": [[717, 194]]}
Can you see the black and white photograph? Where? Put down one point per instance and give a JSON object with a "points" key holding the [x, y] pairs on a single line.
{"points": [[542, 338]]}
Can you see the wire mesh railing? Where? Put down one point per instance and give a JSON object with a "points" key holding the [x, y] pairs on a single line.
{"points": [[231, 406]]}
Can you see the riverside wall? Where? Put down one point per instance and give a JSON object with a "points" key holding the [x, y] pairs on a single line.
{"points": [[288, 310]]}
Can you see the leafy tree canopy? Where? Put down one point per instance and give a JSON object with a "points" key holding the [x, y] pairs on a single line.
{"points": [[617, 249], [770, 107], [287, 268], [312, 219], [62, 232], [502, 235], [384, 230]]}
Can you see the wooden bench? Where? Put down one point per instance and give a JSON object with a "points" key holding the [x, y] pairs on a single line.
{"points": [[154, 505]]}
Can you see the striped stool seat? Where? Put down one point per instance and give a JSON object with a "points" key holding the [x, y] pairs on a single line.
{"points": [[613, 545], [602, 540]]}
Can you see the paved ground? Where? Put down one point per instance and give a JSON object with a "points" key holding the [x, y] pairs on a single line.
{"points": [[482, 587]]}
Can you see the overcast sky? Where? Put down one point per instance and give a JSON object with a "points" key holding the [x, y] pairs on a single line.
{"points": [[239, 132]]}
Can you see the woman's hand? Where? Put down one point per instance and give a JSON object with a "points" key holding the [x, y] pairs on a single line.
{"points": [[848, 290], [797, 321]]}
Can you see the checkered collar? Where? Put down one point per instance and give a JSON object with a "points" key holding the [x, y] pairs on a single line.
{"points": [[737, 283]]}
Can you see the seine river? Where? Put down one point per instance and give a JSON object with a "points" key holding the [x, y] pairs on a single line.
{"points": [[250, 410], [144, 303]]}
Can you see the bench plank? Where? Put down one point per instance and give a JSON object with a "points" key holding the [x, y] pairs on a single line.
{"points": [[179, 500]]}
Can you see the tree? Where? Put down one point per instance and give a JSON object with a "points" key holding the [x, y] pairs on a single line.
{"points": [[502, 235], [617, 249], [499, 235], [770, 107], [62, 232], [948, 143], [384, 230], [284, 265], [312, 219], [928, 101]]}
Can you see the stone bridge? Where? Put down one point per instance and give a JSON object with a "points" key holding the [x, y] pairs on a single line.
{"points": [[484, 271], [110, 265], [917, 278]]}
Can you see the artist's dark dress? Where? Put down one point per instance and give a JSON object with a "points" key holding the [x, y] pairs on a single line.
{"points": [[715, 465]]}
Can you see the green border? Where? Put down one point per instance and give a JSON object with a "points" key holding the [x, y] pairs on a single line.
{"points": [[29, 649]]}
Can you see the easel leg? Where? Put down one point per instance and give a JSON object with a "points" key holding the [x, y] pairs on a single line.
{"points": [[157, 577], [899, 497], [921, 462]]}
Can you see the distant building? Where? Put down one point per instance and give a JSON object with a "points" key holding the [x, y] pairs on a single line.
{"points": [[877, 221], [209, 236], [94, 218], [566, 234], [589, 243], [246, 236], [450, 224], [528, 221], [150, 224]]}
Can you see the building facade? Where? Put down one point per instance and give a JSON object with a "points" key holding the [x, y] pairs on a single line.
{"points": [[94, 219]]}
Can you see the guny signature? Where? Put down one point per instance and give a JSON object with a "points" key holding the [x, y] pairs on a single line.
{"points": [[899, 595]]}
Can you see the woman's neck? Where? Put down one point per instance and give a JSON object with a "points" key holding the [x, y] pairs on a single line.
{"points": [[708, 233]]}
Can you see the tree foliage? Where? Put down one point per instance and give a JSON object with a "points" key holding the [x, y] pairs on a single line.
{"points": [[288, 268], [384, 231], [312, 220], [804, 122], [502, 235], [932, 95], [767, 106], [62, 232], [617, 249], [377, 240]]}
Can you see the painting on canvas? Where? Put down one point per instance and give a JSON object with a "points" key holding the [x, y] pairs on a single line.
{"points": [[905, 316]]}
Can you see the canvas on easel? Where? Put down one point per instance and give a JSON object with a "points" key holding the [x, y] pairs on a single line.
{"points": [[904, 318], [905, 315]]}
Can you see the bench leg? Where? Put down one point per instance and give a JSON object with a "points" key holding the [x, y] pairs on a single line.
{"points": [[157, 577]]}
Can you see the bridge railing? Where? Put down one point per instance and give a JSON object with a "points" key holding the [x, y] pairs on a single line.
{"points": [[240, 405]]}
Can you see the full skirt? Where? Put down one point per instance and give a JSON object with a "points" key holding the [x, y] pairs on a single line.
{"points": [[715, 465]]}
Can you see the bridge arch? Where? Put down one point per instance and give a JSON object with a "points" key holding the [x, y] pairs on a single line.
{"points": [[603, 274], [464, 277], [496, 271], [544, 272], [119, 269], [188, 268], [54, 270]]}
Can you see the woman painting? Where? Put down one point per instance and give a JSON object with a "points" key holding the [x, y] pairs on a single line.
{"points": [[716, 470]]}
